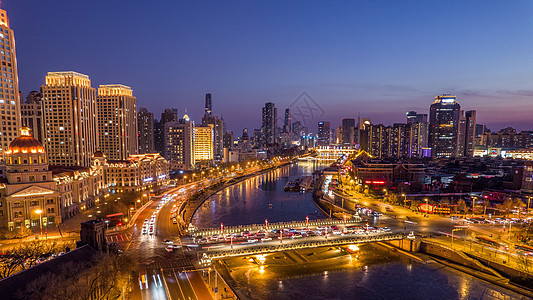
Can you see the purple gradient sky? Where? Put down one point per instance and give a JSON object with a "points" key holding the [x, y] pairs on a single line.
{"points": [[376, 58]]}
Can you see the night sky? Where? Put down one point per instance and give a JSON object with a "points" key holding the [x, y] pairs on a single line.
{"points": [[376, 58]]}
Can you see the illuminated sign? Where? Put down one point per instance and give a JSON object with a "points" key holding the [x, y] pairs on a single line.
{"points": [[448, 100], [148, 179], [374, 182]]}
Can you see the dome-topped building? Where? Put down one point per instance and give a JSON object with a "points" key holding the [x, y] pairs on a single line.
{"points": [[25, 154]]}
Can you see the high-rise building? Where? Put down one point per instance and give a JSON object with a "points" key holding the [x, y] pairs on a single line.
{"points": [[443, 126], [417, 134], [203, 144], [414, 117], [245, 137], [9, 94], [287, 121], [269, 124], [208, 105], [145, 124], [169, 115], [323, 134], [348, 132], [32, 117], [219, 128], [387, 141], [466, 134], [179, 144], [70, 119], [228, 139], [158, 137], [117, 121]]}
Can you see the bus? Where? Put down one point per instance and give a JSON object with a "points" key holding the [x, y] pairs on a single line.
{"points": [[524, 249], [492, 243]]}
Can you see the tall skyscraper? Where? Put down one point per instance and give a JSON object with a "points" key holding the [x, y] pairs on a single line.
{"points": [[145, 124], [179, 144], [287, 121], [70, 119], [228, 139], [443, 126], [323, 135], [348, 132], [203, 144], [208, 105], [9, 94], [417, 134], [466, 134], [158, 137], [269, 125], [117, 121], [219, 128]]}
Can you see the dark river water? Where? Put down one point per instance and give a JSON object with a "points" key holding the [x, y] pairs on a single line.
{"points": [[376, 275]]}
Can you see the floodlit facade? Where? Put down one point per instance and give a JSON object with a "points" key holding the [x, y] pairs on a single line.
{"points": [[9, 92], [134, 174], [203, 143], [70, 118], [117, 121]]}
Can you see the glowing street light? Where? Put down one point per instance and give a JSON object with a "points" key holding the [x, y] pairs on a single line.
{"points": [[266, 223], [307, 222], [40, 219]]}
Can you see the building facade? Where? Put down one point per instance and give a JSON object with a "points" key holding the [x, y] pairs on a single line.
{"points": [[32, 117], [70, 119], [9, 93], [443, 126], [348, 132], [145, 125], [203, 144], [117, 121], [179, 144], [269, 125], [323, 134], [136, 173]]}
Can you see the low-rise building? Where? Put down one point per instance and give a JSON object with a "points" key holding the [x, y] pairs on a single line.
{"points": [[137, 173]]}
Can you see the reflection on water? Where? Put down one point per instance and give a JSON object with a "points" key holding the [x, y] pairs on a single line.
{"points": [[259, 198], [376, 275]]}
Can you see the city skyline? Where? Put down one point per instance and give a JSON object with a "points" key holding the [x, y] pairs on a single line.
{"points": [[355, 70]]}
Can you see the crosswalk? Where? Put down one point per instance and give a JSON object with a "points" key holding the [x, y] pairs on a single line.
{"points": [[116, 238], [178, 263]]}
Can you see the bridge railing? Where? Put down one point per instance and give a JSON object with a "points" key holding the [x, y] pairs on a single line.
{"points": [[271, 226], [255, 249]]}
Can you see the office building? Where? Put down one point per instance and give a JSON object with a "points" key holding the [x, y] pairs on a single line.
{"points": [[348, 132], [228, 139], [9, 93], [117, 121], [179, 144], [203, 144], [145, 125], [417, 135], [324, 134], [443, 126], [70, 118], [269, 125], [466, 132]]}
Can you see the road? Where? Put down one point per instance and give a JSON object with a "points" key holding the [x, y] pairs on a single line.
{"points": [[164, 269]]}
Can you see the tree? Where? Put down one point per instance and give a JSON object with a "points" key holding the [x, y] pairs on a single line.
{"points": [[461, 206]]}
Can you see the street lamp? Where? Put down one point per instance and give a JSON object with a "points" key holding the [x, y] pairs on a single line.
{"points": [[40, 219], [427, 205]]}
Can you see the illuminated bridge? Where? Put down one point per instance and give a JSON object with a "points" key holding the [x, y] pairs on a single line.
{"points": [[350, 221], [329, 153], [291, 244]]}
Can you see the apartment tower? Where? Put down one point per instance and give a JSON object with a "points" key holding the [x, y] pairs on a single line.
{"points": [[70, 118], [117, 121]]}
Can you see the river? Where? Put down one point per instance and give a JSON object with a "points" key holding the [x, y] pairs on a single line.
{"points": [[377, 274]]}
